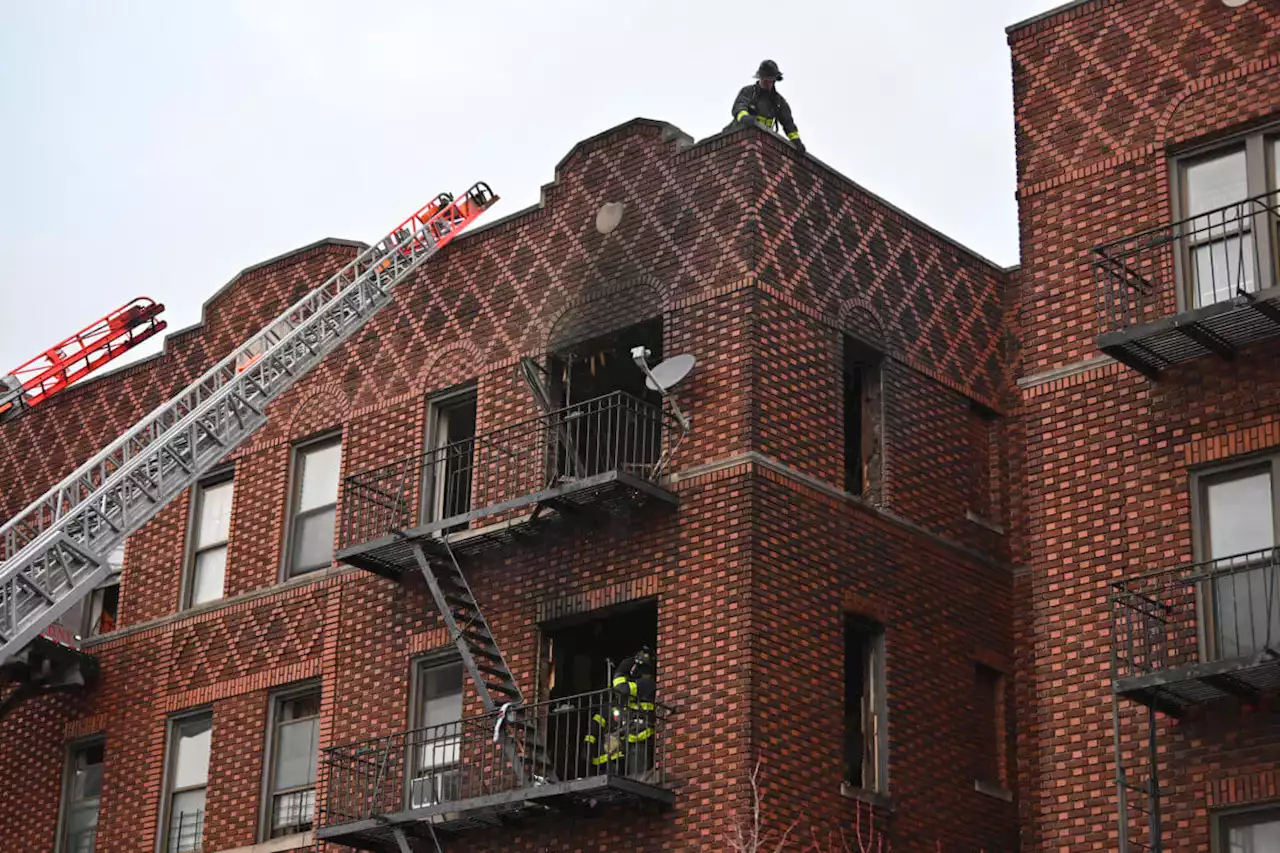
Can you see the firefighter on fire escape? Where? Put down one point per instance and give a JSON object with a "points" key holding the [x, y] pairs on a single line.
{"points": [[622, 740]]}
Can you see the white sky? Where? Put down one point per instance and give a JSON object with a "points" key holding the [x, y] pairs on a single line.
{"points": [[156, 148]]}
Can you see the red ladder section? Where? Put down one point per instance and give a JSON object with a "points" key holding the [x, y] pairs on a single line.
{"points": [[79, 355]]}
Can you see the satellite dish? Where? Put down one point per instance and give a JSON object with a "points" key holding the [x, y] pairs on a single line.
{"points": [[667, 374]]}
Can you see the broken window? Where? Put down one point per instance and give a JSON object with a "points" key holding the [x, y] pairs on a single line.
{"points": [[584, 653], [864, 705], [597, 432], [451, 433], [862, 414]]}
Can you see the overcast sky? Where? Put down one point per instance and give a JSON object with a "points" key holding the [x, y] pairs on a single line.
{"points": [[157, 148]]}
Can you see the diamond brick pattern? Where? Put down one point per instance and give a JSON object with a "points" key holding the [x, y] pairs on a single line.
{"points": [[756, 261]]}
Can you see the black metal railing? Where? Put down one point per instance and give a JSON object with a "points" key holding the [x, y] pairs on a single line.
{"points": [[1220, 610], [461, 761], [616, 432], [186, 832], [1210, 258]]}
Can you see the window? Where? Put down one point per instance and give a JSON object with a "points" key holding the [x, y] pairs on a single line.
{"points": [[315, 505], [451, 432], [81, 788], [1250, 832], [861, 419], [291, 773], [1229, 241], [865, 709], [210, 526], [991, 730], [1237, 528], [436, 739], [188, 774]]}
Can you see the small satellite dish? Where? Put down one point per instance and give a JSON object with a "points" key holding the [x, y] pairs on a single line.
{"points": [[668, 374], [1234, 4]]}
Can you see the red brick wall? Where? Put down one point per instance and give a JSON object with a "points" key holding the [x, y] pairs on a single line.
{"points": [[733, 293], [1105, 92]]}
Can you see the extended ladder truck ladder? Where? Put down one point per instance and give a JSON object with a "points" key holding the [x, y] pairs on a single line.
{"points": [[55, 551], [79, 355]]}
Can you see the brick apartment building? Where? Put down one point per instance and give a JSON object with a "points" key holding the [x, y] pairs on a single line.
{"points": [[878, 563]]}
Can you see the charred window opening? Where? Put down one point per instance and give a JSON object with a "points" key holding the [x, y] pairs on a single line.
{"points": [[584, 655], [609, 419], [864, 705], [862, 419]]}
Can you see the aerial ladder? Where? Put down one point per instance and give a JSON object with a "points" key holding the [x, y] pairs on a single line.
{"points": [[79, 355], [55, 551]]}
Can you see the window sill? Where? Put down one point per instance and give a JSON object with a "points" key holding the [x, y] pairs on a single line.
{"points": [[983, 521], [871, 798], [991, 789], [297, 841]]}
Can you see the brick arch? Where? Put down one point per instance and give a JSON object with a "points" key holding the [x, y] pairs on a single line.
{"points": [[1248, 75], [320, 408], [449, 366], [611, 307], [858, 318]]}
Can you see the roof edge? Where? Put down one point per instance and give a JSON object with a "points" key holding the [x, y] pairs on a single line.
{"points": [[1044, 16]]}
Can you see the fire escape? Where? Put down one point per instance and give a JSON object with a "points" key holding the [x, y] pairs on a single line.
{"points": [[429, 514], [1204, 286]]}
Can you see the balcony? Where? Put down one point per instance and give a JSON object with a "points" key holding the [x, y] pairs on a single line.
{"points": [[1199, 633], [600, 456], [453, 778], [1208, 285]]}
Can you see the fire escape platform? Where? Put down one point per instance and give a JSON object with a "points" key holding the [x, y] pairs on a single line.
{"points": [[1172, 691], [574, 797], [1219, 330], [610, 492]]}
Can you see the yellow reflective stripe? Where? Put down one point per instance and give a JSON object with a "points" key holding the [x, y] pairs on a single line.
{"points": [[647, 706], [795, 134], [741, 115], [643, 736], [599, 720], [600, 759], [766, 122], [590, 738]]}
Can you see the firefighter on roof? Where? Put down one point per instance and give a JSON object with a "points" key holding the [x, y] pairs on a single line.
{"points": [[761, 103]]}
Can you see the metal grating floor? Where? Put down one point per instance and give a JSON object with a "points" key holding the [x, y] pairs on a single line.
{"points": [[606, 494], [1173, 691], [1216, 330]]}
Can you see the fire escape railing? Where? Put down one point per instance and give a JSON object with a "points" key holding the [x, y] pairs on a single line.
{"points": [[1220, 610], [1213, 256], [440, 768], [615, 432]]}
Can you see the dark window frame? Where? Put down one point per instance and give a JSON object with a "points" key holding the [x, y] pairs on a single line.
{"points": [[167, 791], [292, 514], [997, 680], [71, 750], [192, 551], [862, 391], [1259, 180], [874, 668], [1200, 480], [267, 808]]}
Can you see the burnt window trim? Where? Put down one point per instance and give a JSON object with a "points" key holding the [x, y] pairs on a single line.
{"points": [[876, 633], [1258, 181], [870, 361]]}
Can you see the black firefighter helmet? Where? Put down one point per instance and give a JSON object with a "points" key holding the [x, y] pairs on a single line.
{"points": [[768, 69]]}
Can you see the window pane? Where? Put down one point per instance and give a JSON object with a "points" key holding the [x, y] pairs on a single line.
{"points": [[1262, 836], [87, 783], [186, 821], [191, 753], [313, 540], [318, 476], [1215, 182], [296, 754], [214, 523], [1240, 515], [208, 578], [1222, 268]]}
